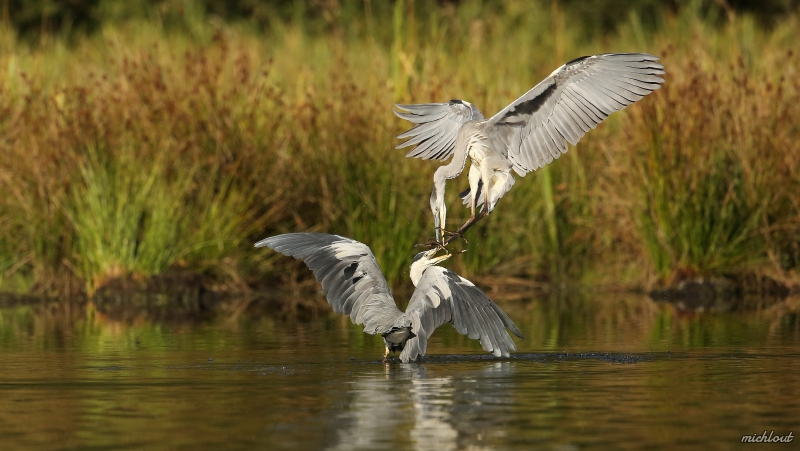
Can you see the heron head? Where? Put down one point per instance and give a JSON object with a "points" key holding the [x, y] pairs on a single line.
{"points": [[425, 260]]}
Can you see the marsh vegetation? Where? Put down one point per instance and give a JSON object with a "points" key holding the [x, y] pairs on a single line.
{"points": [[177, 140]]}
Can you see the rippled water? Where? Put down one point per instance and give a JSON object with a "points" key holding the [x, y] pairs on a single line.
{"points": [[614, 372]]}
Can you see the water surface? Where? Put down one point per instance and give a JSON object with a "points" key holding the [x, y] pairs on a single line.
{"points": [[607, 372]]}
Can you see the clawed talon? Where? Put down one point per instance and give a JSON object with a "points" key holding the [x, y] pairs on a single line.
{"points": [[456, 235], [453, 236], [442, 246], [432, 243]]}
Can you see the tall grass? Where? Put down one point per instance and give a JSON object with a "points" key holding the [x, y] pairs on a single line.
{"points": [[713, 160], [148, 146]]}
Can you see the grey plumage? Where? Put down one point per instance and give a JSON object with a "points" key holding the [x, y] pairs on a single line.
{"points": [[355, 286], [437, 126], [530, 132]]}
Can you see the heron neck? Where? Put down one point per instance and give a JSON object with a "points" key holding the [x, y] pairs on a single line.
{"points": [[416, 273], [459, 160]]}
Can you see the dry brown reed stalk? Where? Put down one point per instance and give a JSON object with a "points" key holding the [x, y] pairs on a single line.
{"points": [[141, 149], [712, 166]]}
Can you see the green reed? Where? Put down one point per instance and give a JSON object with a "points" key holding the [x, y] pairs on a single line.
{"points": [[148, 146]]}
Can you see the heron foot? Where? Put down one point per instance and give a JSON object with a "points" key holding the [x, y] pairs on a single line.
{"points": [[432, 243], [454, 235]]}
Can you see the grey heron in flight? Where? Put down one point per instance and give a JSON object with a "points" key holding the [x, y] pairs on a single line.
{"points": [[526, 135], [355, 286]]}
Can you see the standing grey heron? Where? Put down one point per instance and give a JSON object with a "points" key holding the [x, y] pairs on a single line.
{"points": [[525, 135], [356, 287]]}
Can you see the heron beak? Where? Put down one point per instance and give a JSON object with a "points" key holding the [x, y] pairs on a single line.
{"points": [[437, 225], [439, 220], [430, 255]]}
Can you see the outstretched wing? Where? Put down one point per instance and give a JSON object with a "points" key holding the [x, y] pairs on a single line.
{"points": [[434, 136], [444, 296], [348, 273], [572, 100]]}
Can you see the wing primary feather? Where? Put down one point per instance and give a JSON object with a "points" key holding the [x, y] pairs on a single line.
{"points": [[557, 141], [507, 321], [347, 272], [417, 130], [417, 119], [422, 336], [643, 81], [473, 323], [534, 147], [609, 92], [416, 143], [585, 118], [592, 111], [574, 123], [359, 312], [529, 155], [623, 89], [498, 331], [542, 148], [564, 123], [549, 147], [338, 289], [347, 295], [474, 330], [491, 339], [632, 87], [612, 98], [561, 125], [421, 150], [459, 318], [479, 320], [624, 96], [436, 127], [598, 99], [330, 272]]}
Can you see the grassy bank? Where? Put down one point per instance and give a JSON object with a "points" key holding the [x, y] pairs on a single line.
{"points": [[145, 146]]}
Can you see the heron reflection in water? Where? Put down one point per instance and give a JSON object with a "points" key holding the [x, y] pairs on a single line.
{"points": [[355, 286], [432, 410]]}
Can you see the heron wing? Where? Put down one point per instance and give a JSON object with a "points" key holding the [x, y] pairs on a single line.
{"points": [[437, 125], [569, 102], [349, 274], [444, 296]]}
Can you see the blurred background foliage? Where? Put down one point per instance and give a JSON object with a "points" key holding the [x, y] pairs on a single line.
{"points": [[138, 136], [33, 18]]}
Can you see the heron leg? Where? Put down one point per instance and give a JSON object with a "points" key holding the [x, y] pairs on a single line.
{"points": [[385, 356], [463, 229], [475, 180], [474, 187], [485, 209]]}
